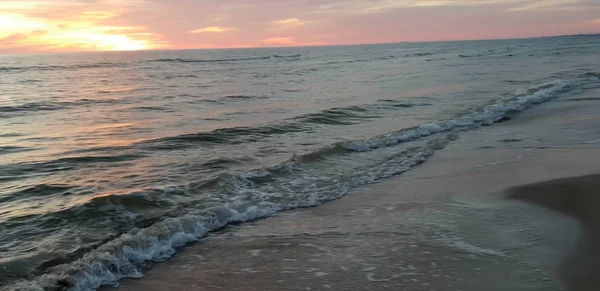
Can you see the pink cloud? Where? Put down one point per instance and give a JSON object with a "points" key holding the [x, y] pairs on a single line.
{"points": [[213, 29], [242, 23]]}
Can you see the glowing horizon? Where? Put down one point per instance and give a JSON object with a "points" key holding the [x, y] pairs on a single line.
{"points": [[96, 25]]}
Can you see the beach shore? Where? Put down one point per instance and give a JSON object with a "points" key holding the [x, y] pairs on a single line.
{"points": [[446, 225]]}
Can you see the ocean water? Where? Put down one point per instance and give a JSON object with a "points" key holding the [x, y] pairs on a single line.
{"points": [[111, 161]]}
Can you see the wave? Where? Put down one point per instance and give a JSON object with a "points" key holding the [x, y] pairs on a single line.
{"points": [[96, 159], [144, 200], [236, 135], [19, 69], [30, 81], [336, 116], [151, 108], [487, 115], [492, 52], [380, 58], [184, 60], [486, 53], [437, 59], [265, 192], [387, 103], [33, 106], [418, 55], [15, 171], [517, 81], [13, 149], [592, 74], [242, 97], [188, 76], [37, 190], [221, 163], [117, 90], [320, 154], [343, 62], [471, 56], [253, 198], [383, 58], [233, 135], [582, 99], [10, 134], [287, 57], [88, 101], [20, 109], [62, 67]]}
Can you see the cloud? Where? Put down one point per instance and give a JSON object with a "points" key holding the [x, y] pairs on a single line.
{"points": [[73, 25], [288, 22], [103, 24], [461, 3], [557, 5], [14, 24], [12, 5], [357, 7], [279, 40], [213, 29], [68, 25], [69, 9]]}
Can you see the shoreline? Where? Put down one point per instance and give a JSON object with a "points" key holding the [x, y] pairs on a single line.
{"points": [[576, 197], [444, 225]]}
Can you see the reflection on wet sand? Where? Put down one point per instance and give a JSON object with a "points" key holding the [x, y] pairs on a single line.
{"points": [[577, 197]]}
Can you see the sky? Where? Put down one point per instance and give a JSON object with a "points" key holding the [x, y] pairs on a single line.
{"points": [[79, 25]]}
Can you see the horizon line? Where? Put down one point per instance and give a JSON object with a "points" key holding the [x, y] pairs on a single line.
{"points": [[294, 46]]}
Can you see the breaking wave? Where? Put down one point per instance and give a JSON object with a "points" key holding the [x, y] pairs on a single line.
{"points": [[264, 192]]}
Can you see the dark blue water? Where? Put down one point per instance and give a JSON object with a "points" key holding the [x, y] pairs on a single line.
{"points": [[114, 160]]}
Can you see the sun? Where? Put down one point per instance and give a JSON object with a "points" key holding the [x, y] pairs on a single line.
{"points": [[78, 34], [94, 38], [113, 42]]}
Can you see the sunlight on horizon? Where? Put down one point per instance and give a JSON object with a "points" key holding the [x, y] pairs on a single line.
{"points": [[81, 33], [99, 41], [110, 25]]}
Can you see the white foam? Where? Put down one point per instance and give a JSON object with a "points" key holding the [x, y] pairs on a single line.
{"points": [[465, 246], [124, 256], [483, 116]]}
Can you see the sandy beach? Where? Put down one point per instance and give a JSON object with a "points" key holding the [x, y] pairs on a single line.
{"points": [[446, 225], [577, 197]]}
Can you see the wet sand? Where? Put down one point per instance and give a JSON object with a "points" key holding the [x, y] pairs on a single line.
{"points": [[446, 225], [578, 197]]}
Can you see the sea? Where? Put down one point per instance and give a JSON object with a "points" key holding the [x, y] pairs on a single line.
{"points": [[113, 161]]}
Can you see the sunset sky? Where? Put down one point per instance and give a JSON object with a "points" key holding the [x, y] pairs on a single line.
{"points": [[76, 25]]}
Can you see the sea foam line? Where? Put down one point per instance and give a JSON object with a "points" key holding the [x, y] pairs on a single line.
{"points": [[485, 116], [126, 256]]}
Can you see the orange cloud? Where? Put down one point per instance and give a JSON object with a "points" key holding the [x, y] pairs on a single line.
{"points": [[34, 27], [11, 24], [288, 22], [213, 29]]}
